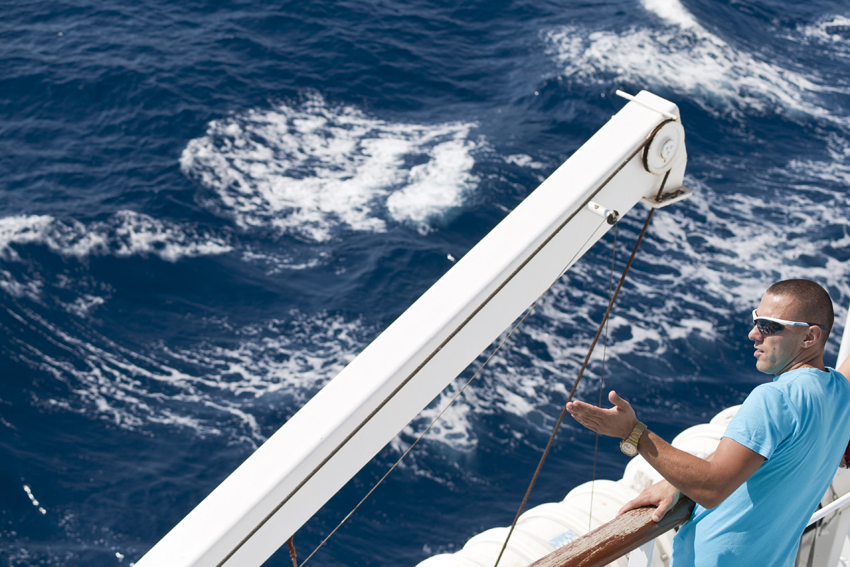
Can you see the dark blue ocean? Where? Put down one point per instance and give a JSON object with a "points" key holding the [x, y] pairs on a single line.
{"points": [[208, 209]]}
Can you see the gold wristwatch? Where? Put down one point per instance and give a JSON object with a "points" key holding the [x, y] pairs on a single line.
{"points": [[629, 445]]}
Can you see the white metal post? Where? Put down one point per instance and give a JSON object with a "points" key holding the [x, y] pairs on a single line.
{"points": [[641, 556]]}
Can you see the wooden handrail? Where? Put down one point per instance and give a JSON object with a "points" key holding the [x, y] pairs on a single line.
{"points": [[616, 538]]}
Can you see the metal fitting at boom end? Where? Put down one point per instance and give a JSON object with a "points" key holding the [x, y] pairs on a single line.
{"points": [[610, 215]]}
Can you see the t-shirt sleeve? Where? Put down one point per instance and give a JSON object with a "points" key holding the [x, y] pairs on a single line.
{"points": [[764, 421]]}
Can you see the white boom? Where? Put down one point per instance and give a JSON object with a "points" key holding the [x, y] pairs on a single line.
{"points": [[276, 490]]}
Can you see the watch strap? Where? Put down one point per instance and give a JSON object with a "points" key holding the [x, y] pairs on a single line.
{"points": [[636, 433]]}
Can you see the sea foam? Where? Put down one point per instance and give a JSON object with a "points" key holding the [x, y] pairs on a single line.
{"points": [[210, 389], [685, 57], [834, 31], [307, 169], [126, 233]]}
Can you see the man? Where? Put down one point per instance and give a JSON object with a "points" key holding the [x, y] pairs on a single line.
{"points": [[757, 491]]}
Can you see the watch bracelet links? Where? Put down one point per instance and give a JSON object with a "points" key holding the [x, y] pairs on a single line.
{"points": [[637, 433], [629, 445]]}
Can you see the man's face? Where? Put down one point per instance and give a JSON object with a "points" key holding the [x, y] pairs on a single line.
{"points": [[776, 353]]}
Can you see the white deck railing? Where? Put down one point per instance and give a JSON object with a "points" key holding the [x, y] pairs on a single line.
{"points": [[641, 556]]}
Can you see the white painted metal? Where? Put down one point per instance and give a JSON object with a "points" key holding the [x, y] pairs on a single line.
{"points": [[679, 195], [837, 506], [832, 538], [844, 351], [830, 535], [256, 509], [640, 556], [647, 104]]}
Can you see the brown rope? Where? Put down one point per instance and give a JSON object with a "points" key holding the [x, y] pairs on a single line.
{"points": [[291, 545], [580, 373], [451, 336], [452, 401]]}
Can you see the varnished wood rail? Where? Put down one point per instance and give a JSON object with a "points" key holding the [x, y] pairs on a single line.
{"points": [[616, 538]]}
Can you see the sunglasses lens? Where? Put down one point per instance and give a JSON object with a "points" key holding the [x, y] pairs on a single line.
{"points": [[766, 327]]}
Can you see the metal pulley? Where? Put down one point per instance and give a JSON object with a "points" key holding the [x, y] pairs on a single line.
{"points": [[666, 143], [659, 155]]}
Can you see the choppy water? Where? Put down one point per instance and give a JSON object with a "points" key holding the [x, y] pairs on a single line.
{"points": [[206, 211]]}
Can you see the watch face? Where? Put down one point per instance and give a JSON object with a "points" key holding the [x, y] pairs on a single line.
{"points": [[628, 448]]}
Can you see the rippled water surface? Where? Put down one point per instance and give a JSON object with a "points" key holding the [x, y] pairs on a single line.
{"points": [[207, 210]]}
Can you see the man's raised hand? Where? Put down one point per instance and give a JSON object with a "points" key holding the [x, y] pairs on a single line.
{"points": [[617, 421]]}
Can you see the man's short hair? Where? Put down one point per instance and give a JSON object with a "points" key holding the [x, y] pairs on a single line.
{"points": [[813, 300]]}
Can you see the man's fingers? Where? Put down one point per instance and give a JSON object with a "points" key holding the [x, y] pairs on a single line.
{"points": [[581, 408], [663, 507], [596, 418], [661, 495], [665, 504], [586, 416], [587, 421], [659, 513], [582, 411], [645, 498], [631, 505], [618, 401]]}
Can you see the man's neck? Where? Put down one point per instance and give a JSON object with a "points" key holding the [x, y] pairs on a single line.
{"points": [[815, 362]]}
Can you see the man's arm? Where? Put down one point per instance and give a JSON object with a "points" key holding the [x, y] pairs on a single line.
{"points": [[662, 495], [707, 483]]}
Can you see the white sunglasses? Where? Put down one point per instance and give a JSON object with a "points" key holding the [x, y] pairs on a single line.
{"points": [[772, 325]]}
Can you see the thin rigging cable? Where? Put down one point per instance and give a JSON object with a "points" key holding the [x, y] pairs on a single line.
{"points": [[602, 374], [456, 396], [398, 388], [581, 371], [573, 390]]}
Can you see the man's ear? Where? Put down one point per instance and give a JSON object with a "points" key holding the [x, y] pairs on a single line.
{"points": [[812, 337]]}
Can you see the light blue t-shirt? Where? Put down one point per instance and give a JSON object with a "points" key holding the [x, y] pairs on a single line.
{"points": [[800, 423]]}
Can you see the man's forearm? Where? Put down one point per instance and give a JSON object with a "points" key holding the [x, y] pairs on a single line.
{"points": [[696, 478], [707, 482]]}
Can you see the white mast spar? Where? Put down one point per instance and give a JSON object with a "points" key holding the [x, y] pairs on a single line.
{"points": [[291, 476]]}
